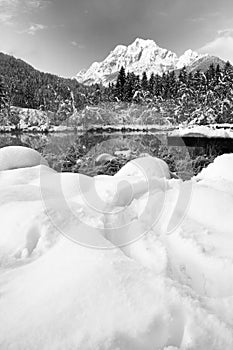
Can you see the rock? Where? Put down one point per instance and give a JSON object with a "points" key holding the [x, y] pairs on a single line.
{"points": [[104, 158], [145, 167], [15, 157]]}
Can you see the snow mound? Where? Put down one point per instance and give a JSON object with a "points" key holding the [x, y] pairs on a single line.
{"points": [[221, 168], [147, 167], [13, 157], [22, 176], [162, 280]]}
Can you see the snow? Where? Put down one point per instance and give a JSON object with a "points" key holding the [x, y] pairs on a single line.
{"points": [[14, 157], [146, 167], [214, 130], [133, 261], [220, 169], [140, 56], [188, 58]]}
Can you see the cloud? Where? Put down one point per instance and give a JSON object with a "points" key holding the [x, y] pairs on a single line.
{"points": [[196, 19], [36, 4], [221, 46], [5, 18], [225, 32], [162, 13], [10, 9], [75, 44], [34, 27], [210, 16]]}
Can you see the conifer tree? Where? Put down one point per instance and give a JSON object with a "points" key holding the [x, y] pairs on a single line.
{"points": [[158, 86], [151, 84], [144, 82], [129, 88], [183, 76], [2, 94], [3, 102], [120, 84]]}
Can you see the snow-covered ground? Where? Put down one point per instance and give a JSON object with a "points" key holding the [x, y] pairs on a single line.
{"points": [[212, 130], [137, 261]]}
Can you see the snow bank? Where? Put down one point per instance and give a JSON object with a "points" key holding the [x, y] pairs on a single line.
{"points": [[221, 168], [13, 157], [202, 130], [146, 167], [163, 278]]}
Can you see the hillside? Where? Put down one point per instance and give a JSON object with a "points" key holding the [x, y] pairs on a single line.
{"points": [[29, 88], [204, 63]]}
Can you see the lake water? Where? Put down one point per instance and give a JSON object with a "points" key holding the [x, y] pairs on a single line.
{"points": [[87, 146]]}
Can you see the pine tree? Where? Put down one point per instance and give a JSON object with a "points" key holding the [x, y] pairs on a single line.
{"points": [[120, 84], [129, 87], [170, 85], [3, 98], [211, 73], [228, 68], [183, 76], [218, 73], [158, 86], [29, 93], [3, 102], [144, 82], [151, 84]]}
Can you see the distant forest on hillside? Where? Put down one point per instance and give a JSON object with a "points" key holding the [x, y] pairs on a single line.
{"points": [[206, 96]]}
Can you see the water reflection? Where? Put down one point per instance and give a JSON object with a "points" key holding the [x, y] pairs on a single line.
{"points": [[78, 151]]}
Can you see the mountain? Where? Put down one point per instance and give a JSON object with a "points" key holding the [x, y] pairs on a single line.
{"points": [[141, 56], [203, 63]]}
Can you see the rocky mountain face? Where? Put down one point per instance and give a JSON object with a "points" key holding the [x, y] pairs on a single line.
{"points": [[203, 63], [141, 56]]}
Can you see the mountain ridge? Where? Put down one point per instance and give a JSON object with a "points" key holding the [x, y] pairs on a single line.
{"points": [[143, 55]]}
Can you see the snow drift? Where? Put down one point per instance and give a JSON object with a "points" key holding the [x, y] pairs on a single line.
{"points": [[212, 130], [130, 262]]}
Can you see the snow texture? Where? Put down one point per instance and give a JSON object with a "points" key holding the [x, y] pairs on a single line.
{"points": [[130, 262]]}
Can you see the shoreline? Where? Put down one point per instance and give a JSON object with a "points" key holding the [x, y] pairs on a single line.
{"points": [[174, 131], [94, 128]]}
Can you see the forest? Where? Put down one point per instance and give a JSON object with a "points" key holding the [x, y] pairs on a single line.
{"points": [[204, 97]]}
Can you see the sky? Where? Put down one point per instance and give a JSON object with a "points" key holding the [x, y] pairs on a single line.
{"points": [[65, 36]]}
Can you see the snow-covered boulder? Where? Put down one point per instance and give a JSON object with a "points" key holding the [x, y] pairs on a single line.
{"points": [[146, 167], [14, 157]]}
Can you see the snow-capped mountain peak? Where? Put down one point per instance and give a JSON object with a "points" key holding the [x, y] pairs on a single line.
{"points": [[188, 58], [143, 55]]}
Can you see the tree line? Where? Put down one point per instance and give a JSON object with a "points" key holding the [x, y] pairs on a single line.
{"points": [[205, 95], [201, 96]]}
